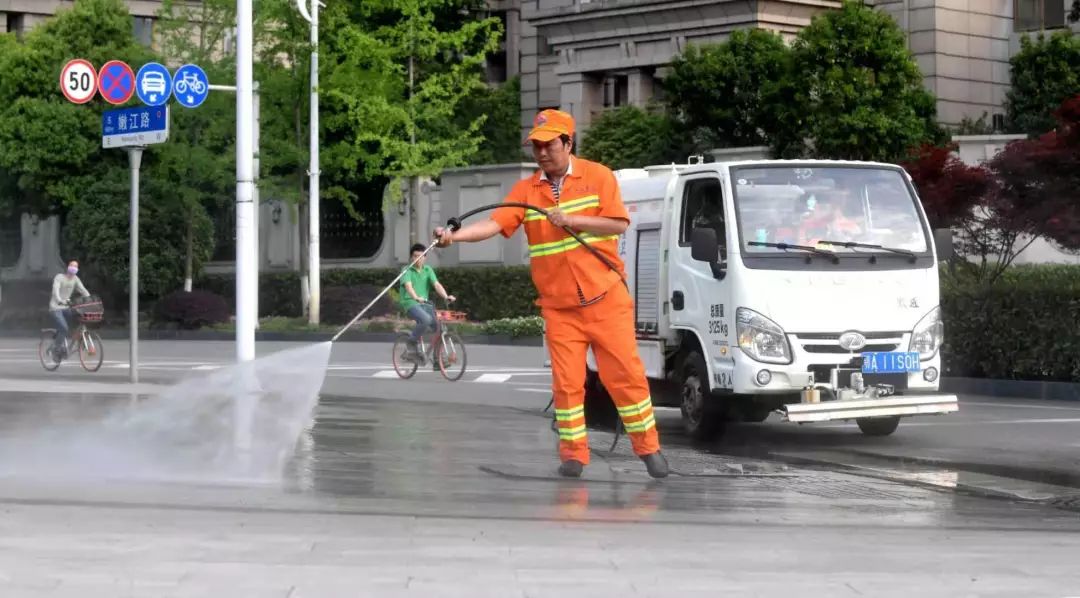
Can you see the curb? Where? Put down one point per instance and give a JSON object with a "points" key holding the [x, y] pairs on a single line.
{"points": [[1013, 389], [306, 337]]}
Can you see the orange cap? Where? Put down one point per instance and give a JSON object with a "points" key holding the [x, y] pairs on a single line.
{"points": [[550, 124]]}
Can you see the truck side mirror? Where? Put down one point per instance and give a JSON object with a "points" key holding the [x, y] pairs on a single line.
{"points": [[703, 245], [943, 240]]}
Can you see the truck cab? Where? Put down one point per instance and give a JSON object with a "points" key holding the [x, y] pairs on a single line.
{"points": [[803, 288]]}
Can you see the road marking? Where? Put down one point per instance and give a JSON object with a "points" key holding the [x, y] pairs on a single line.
{"points": [[206, 367], [1017, 406], [493, 378], [545, 391], [386, 374]]}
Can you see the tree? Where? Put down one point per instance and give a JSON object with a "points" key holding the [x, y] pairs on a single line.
{"points": [[723, 92], [1039, 180], [50, 149], [399, 78], [1044, 73], [631, 137], [853, 91], [501, 131]]}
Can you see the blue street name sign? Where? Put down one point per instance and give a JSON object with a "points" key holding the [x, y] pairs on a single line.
{"points": [[133, 127]]}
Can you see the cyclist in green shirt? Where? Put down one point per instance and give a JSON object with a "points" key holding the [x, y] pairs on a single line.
{"points": [[416, 286]]}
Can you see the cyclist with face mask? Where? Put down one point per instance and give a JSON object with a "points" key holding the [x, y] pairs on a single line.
{"points": [[64, 285]]}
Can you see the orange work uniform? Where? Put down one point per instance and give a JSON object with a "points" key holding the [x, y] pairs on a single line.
{"points": [[583, 302]]}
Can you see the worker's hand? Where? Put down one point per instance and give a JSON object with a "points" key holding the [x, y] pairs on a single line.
{"points": [[451, 298], [558, 218], [445, 236]]}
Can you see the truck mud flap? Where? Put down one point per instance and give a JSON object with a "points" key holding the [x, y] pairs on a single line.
{"points": [[858, 408]]}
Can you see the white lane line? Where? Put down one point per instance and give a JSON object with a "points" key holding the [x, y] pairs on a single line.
{"points": [[493, 378], [1017, 406], [385, 374], [545, 391], [207, 367], [993, 422]]}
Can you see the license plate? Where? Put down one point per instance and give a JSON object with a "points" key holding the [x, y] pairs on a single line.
{"points": [[890, 363]]}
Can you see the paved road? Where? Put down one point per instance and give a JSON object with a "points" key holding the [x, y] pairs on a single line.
{"points": [[426, 488]]}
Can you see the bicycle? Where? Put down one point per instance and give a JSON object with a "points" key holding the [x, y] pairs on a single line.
{"points": [[446, 351], [87, 343], [192, 80]]}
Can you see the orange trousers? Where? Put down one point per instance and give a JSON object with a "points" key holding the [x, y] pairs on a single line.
{"points": [[607, 326]]}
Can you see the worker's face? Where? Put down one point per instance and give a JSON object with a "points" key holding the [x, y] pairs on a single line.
{"points": [[416, 254], [552, 156]]}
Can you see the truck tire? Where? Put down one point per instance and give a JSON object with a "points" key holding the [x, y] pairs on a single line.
{"points": [[878, 426], [600, 411], [702, 414]]}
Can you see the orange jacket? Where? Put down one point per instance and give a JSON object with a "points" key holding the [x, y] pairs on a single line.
{"points": [[565, 273]]}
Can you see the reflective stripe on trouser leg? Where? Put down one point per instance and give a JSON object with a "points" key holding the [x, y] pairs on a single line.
{"points": [[568, 347], [614, 343]]}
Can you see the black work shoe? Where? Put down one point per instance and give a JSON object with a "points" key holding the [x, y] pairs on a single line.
{"points": [[571, 469], [656, 464]]}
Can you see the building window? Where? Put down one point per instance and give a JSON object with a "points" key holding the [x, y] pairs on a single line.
{"points": [[543, 48], [616, 91], [144, 31], [1035, 15], [16, 23]]}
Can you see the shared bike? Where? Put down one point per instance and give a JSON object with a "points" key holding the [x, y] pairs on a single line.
{"points": [[81, 340], [445, 351]]}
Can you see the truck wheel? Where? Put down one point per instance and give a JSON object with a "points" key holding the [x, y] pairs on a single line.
{"points": [[878, 426], [702, 414], [600, 411]]}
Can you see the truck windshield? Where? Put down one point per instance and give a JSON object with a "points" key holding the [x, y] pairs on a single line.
{"points": [[861, 207]]}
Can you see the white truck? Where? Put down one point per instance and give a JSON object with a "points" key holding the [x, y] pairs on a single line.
{"points": [[807, 288]]}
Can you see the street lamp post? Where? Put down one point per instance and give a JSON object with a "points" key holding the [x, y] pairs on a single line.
{"points": [[246, 233], [312, 16]]}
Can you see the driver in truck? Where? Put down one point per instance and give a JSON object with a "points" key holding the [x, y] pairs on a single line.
{"points": [[583, 302]]}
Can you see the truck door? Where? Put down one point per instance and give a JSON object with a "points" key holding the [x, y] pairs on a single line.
{"points": [[700, 295]]}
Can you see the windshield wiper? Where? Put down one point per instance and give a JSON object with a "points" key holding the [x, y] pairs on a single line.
{"points": [[852, 245], [786, 246]]}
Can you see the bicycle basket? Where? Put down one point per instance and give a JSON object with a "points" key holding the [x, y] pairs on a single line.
{"points": [[450, 316], [89, 309]]}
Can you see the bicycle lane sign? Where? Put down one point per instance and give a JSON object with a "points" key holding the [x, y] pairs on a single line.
{"points": [[190, 86]]}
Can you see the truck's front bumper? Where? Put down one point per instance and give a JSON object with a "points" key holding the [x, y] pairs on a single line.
{"points": [[928, 404]]}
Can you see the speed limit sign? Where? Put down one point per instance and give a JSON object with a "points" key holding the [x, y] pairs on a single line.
{"points": [[78, 81]]}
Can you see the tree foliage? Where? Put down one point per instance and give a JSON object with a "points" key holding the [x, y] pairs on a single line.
{"points": [[853, 90], [631, 137], [50, 149], [1044, 73], [501, 131], [391, 120], [723, 92]]}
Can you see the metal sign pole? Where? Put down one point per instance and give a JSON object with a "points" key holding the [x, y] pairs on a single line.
{"points": [[135, 161]]}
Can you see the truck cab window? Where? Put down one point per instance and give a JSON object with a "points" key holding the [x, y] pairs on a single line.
{"points": [[703, 207]]}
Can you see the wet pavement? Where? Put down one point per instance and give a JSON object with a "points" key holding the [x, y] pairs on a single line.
{"points": [[426, 497]]}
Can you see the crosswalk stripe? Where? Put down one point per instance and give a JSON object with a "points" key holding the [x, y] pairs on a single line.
{"points": [[493, 378], [385, 374]]}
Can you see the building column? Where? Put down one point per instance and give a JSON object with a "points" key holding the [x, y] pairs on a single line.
{"points": [[640, 88], [513, 43], [580, 94]]}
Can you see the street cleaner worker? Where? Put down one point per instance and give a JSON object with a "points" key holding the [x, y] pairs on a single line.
{"points": [[583, 302]]}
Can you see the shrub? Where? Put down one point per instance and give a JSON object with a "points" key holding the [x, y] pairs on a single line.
{"points": [[1025, 327], [483, 293], [189, 311], [526, 326], [340, 304]]}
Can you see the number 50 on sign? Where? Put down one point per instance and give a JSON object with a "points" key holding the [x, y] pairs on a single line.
{"points": [[78, 81]]}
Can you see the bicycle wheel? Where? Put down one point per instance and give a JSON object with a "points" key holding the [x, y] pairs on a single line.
{"points": [[450, 355], [48, 359], [405, 368], [91, 352]]}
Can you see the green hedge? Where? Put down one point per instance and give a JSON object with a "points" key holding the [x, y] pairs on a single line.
{"points": [[1026, 328], [483, 293]]}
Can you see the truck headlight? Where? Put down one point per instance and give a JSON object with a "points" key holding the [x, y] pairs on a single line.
{"points": [[928, 335], [761, 338]]}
